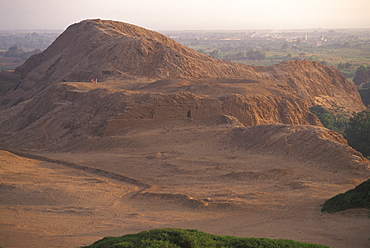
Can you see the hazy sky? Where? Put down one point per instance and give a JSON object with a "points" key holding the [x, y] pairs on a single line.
{"points": [[188, 14]]}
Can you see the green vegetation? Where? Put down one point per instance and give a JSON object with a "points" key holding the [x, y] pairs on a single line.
{"points": [[345, 49], [365, 94], [180, 238], [216, 54], [333, 119], [17, 46], [14, 57], [348, 69], [17, 52], [355, 129], [255, 55], [362, 75], [27, 40], [358, 197], [358, 132]]}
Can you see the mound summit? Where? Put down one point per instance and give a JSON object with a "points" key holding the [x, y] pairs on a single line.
{"points": [[111, 50], [107, 49]]}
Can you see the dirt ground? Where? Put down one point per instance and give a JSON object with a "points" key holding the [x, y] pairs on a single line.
{"points": [[183, 178], [141, 153]]}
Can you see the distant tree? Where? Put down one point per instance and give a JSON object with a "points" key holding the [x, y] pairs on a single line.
{"points": [[358, 132], [295, 46], [365, 94], [313, 58], [26, 55], [285, 46], [266, 48], [326, 118], [348, 65], [332, 119], [366, 85], [341, 66], [289, 56], [239, 55], [19, 53], [362, 75], [14, 51], [255, 55], [216, 54], [347, 69], [201, 51], [347, 44]]}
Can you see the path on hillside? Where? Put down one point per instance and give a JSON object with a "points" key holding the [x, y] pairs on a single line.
{"points": [[43, 128], [98, 172]]}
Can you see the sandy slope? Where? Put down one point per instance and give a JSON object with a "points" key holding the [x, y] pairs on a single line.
{"points": [[187, 177]]}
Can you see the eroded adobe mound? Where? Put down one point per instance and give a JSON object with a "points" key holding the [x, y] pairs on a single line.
{"points": [[148, 80], [64, 115], [318, 145], [110, 50]]}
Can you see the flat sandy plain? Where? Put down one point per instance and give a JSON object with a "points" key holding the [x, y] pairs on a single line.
{"points": [[172, 177]]}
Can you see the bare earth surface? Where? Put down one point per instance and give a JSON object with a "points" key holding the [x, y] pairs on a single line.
{"points": [[185, 177], [171, 138]]}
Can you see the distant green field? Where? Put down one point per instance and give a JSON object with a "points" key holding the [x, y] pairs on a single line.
{"points": [[331, 47], [332, 57], [180, 238]]}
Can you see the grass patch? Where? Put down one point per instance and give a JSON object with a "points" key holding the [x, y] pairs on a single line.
{"points": [[359, 197], [181, 238]]}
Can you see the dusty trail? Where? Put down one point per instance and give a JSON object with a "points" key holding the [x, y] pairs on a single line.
{"points": [[94, 171], [54, 203], [140, 193], [43, 128]]}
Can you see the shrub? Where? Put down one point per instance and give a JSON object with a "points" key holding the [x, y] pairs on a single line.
{"points": [[362, 75], [216, 54], [358, 197], [255, 55], [358, 132], [336, 121], [180, 238], [365, 95]]}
